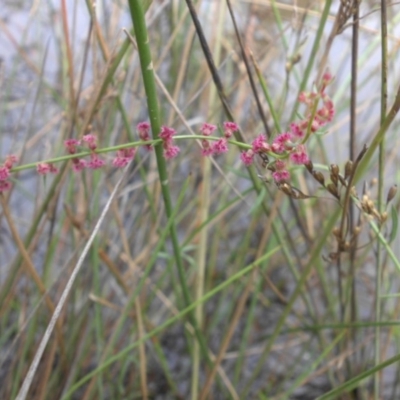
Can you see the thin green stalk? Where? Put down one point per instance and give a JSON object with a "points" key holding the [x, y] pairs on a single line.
{"points": [[98, 326], [379, 254], [203, 214], [352, 301], [146, 63]]}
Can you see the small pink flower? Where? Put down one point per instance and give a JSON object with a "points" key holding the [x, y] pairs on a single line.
{"points": [[120, 162], [10, 161], [42, 168], [143, 129], [307, 97], [90, 140], [4, 173], [207, 129], [296, 131], [247, 157], [260, 144], [78, 164], [207, 151], [4, 186], [167, 133], [327, 112], [281, 173], [45, 168], [206, 148], [281, 143], [280, 165], [299, 156], [230, 128], [315, 125], [128, 153], [171, 151], [326, 80], [280, 176], [220, 146], [70, 145], [124, 156], [95, 162]]}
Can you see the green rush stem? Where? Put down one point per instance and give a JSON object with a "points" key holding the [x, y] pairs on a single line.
{"points": [[380, 250], [146, 63], [352, 155]]}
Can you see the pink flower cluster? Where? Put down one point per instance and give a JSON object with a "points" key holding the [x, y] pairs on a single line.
{"points": [[219, 146], [5, 184], [124, 156], [324, 114], [78, 164], [286, 147], [290, 145], [285, 142], [170, 150]]}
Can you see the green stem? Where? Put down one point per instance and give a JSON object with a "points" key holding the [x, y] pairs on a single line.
{"points": [[379, 253], [147, 68]]}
